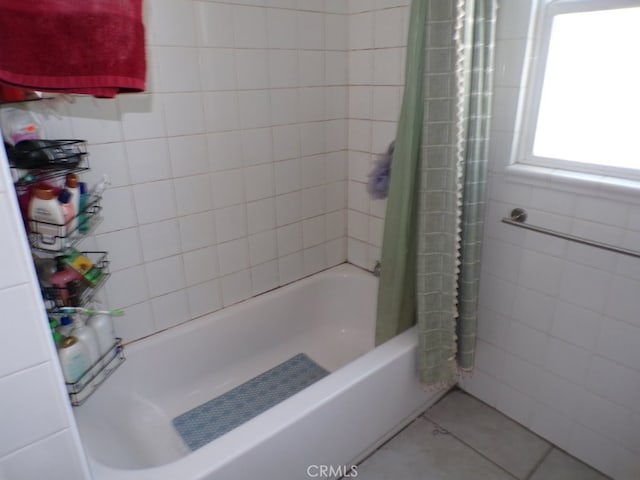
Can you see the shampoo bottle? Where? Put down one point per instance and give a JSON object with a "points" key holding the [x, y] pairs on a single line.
{"points": [[83, 224], [87, 336], [72, 185], [74, 359], [103, 327], [46, 218], [65, 326]]}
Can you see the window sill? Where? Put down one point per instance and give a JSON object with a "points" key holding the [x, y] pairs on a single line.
{"points": [[593, 185]]}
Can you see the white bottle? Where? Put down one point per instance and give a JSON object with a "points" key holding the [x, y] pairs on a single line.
{"points": [[46, 219], [102, 325], [71, 185], [74, 359], [88, 338]]}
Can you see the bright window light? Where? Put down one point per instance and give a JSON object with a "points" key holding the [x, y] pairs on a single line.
{"points": [[589, 109]]}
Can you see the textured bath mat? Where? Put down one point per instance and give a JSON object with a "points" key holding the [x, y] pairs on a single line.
{"points": [[205, 423]]}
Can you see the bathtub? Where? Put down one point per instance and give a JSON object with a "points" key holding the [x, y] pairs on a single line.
{"points": [[370, 394]]}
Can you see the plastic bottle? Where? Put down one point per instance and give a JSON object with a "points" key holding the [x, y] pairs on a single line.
{"points": [[46, 219], [53, 325], [71, 185], [45, 267], [66, 283], [87, 336], [68, 211], [18, 124], [83, 223], [65, 326], [74, 359], [103, 326]]}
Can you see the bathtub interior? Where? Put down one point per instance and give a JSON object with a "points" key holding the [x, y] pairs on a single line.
{"points": [[127, 424]]}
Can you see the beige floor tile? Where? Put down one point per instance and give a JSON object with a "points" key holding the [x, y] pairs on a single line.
{"points": [[500, 439], [560, 466], [417, 453]]}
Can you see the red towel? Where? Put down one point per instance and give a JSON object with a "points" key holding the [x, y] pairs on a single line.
{"points": [[94, 47]]}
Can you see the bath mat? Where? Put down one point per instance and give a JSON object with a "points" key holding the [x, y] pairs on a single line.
{"points": [[205, 423]]}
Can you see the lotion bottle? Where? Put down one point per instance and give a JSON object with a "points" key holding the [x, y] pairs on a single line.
{"points": [[87, 336], [102, 325], [74, 359], [46, 219]]}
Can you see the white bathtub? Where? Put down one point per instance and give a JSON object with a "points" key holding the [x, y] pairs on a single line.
{"points": [[371, 393]]}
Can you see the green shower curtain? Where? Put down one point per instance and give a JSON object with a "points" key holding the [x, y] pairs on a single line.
{"points": [[435, 209]]}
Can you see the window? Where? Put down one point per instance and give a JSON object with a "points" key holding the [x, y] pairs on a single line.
{"points": [[584, 97]]}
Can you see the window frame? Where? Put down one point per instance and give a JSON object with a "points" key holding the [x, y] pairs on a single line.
{"points": [[534, 73]]}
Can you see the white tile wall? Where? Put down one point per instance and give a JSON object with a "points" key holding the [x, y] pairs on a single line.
{"points": [[234, 159], [377, 40], [559, 335]]}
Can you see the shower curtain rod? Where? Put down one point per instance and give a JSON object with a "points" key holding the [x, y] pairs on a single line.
{"points": [[518, 218]]}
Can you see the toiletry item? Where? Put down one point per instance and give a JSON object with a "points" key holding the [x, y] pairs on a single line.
{"points": [[83, 222], [74, 359], [57, 337], [68, 211], [101, 186], [103, 326], [46, 219], [45, 267], [67, 284], [85, 267], [71, 185], [90, 311], [19, 124], [24, 201], [87, 336], [65, 326]]}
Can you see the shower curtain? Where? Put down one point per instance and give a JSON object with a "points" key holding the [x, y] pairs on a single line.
{"points": [[434, 218]]}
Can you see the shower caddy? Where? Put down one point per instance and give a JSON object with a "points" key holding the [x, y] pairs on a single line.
{"points": [[66, 157]]}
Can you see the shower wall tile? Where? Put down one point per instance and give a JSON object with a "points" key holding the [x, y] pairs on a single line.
{"points": [[170, 310], [264, 277], [148, 160], [25, 391], [235, 287], [160, 239], [177, 69], [184, 114], [204, 298], [377, 36], [124, 247], [171, 23], [262, 247]]}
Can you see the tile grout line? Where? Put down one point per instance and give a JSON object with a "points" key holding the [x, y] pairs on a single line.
{"points": [[424, 416], [539, 462]]}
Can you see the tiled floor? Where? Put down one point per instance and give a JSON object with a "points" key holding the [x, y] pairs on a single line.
{"points": [[461, 438]]}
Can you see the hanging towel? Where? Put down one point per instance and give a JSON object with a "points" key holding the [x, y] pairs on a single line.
{"points": [[94, 47]]}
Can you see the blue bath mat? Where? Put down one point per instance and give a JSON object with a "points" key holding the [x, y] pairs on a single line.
{"points": [[205, 423]]}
